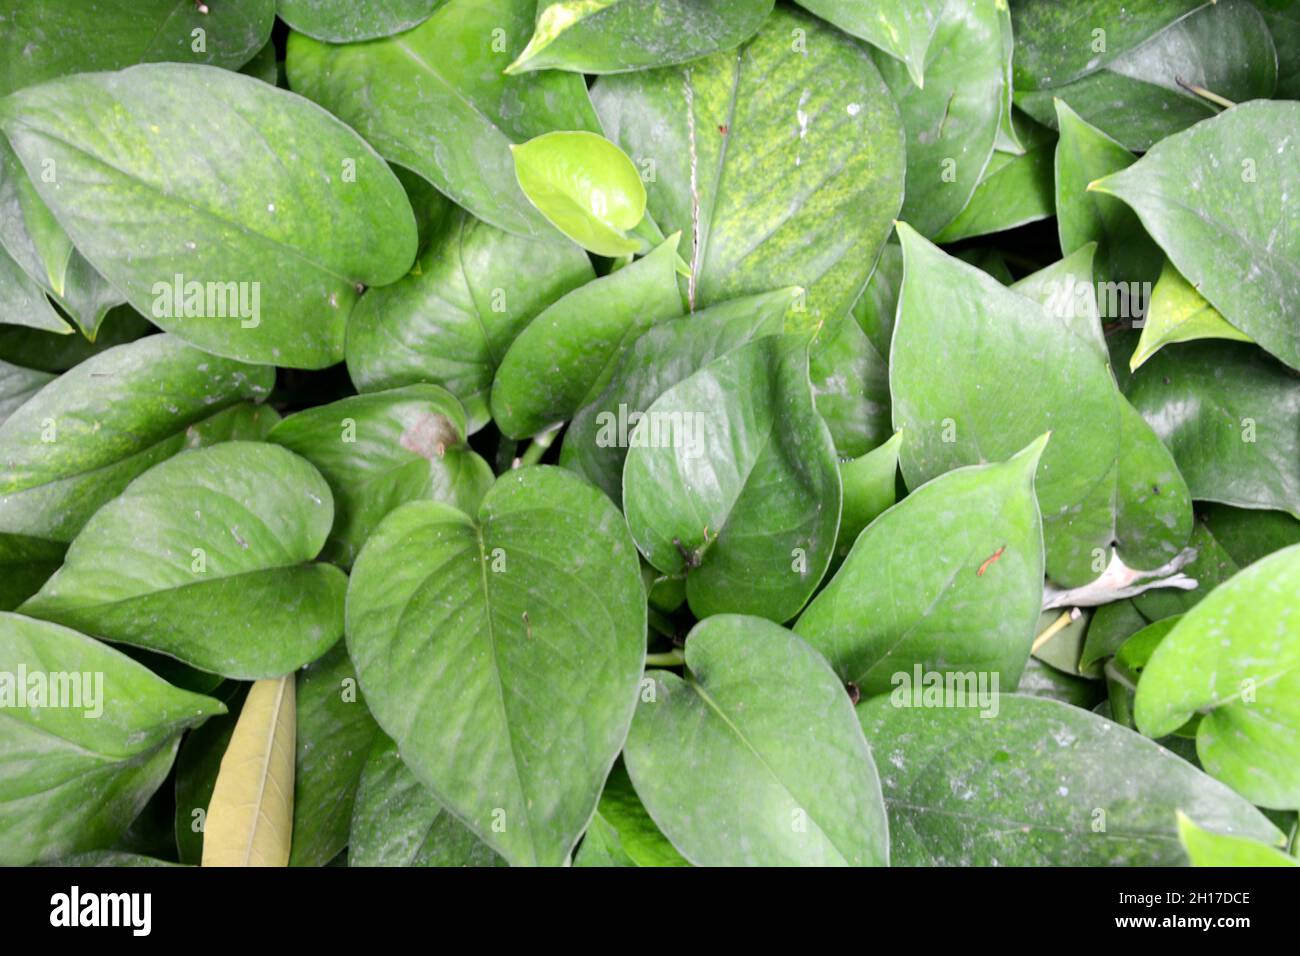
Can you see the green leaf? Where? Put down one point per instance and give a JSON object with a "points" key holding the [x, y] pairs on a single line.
{"points": [[732, 480], [622, 833], [876, 309], [1178, 313], [596, 441], [23, 302], [397, 822], [1038, 783], [790, 746], [1016, 189], [1235, 658], [869, 484], [1110, 626], [1058, 43], [381, 450], [25, 564], [616, 36], [1206, 848], [1125, 253], [567, 355], [48, 38], [334, 735], [850, 381], [948, 580], [436, 100], [17, 385], [976, 374], [585, 186], [204, 558], [1231, 417], [1283, 19], [1044, 680], [772, 184], [347, 21], [235, 214], [54, 352], [952, 122], [1228, 177], [902, 28], [503, 655], [1063, 648], [69, 783], [1250, 535], [1212, 566], [451, 321], [80, 440], [1139, 98]]}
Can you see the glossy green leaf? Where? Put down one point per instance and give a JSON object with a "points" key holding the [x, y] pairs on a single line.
{"points": [[381, 450], [952, 122], [78, 442], [869, 484], [23, 302], [347, 21], [1249, 535], [1140, 97], [235, 214], [397, 822], [585, 186], [503, 654], [1206, 848], [86, 737], [1229, 176], [732, 479], [566, 356], [451, 321], [949, 580], [1231, 417], [43, 39], [976, 375], [596, 441], [792, 747], [1108, 628], [876, 309], [615, 36], [1235, 658], [902, 28], [1057, 43], [850, 381], [771, 183], [1178, 313], [25, 564], [1038, 783], [622, 833], [334, 735], [436, 100], [1125, 253], [204, 558]]}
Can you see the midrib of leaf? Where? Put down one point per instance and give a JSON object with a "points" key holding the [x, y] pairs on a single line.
{"points": [[702, 225], [237, 226], [801, 804]]}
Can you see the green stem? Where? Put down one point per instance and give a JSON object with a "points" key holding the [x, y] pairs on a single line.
{"points": [[673, 658], [537, 448]]}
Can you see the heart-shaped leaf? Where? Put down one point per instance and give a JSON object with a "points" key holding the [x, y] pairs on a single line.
{"points": [[235, 214], [951, 122], [732, 480], [975, 376], [1151, 91], [615, 36], [772, 184], [347, 21], [450, 322], [86, 737], [1178, 313], [436, 100], [381, 450], [397, 822], [950, 579], [1235, 659], [80, 440], [1037, 782], [566, 356], [791, 745], [43, 39], [204, 558], [1231, 417], [596, 441], [503, 654], [902, 28], [1229, 176]]}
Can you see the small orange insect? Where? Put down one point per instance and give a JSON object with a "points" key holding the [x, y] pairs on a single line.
{"points": [[989, 561]]}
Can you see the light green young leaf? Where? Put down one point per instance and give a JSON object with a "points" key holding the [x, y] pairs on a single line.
{"points": [[870, 489], [1178, 313], [204, 558], [622, 833], [436, 100], [1206, 848], [617, 36], [950, 579], [503, 653], [791, 746]]}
